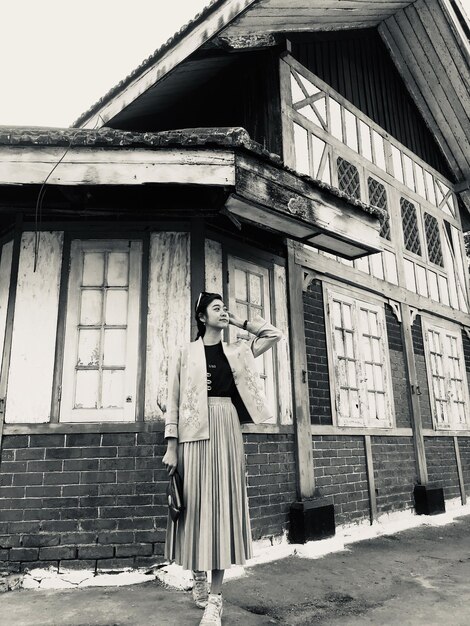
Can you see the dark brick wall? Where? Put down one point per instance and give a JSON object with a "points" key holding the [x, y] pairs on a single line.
{"points": [[82, 500], [400, 386], [340, 474], [98, 500], [464, 448], [442, 466], [317, 359], [421, 374], [271, 474], [394, 472]]}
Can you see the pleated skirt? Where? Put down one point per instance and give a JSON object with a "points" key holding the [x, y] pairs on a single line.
{"points": [[214, 530]]}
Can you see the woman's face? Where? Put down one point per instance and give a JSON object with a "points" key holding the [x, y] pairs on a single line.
{"points": [[216, 315]]}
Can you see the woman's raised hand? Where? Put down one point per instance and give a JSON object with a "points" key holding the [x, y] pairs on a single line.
{"points": [[233, 319]]}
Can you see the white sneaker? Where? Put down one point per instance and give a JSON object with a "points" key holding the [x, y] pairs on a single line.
{"points": [[200, 589], [213, 612]]}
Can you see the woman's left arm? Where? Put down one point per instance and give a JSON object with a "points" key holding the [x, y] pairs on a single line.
{"points": [[266, 335]]}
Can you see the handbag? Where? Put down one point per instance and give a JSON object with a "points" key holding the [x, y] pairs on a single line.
{"points": [[174, 493]]}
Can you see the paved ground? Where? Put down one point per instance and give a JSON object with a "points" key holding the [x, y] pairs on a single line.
{"points": [[416, 577]]}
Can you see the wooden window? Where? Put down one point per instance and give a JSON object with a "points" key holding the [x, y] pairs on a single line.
{"points": [[359, 361], [348, 178], [410, 226], [448, 388], [250, 295], [433, 239], [101, 338], [378, 198]]}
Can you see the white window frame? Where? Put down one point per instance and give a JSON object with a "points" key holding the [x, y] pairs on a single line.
{"points": [[450, 330], [128, 412], [268, 357], [356, 299]]}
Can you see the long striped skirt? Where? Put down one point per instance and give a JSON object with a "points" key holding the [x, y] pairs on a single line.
{"points": [[214, 530]]}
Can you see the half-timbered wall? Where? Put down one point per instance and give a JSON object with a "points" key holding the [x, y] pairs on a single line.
{"points": [[358, 66]]}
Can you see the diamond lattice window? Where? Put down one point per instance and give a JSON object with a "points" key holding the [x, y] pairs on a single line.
{"points": [[378, 198], [410, 226], [348, 179], [433, 239]]}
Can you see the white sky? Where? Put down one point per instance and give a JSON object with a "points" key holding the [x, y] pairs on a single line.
{"points": [[58, 57]]}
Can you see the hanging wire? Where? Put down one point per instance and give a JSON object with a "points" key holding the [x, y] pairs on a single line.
{"points": [[42, 193]]}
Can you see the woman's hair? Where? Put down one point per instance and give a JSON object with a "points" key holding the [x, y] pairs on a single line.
{"points": [[205, 298]]}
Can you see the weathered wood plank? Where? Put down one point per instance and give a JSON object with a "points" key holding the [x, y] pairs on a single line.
{"points": [[5, 271], [444, 52], [20, 166], [283, 364], [60, 334], [214, 280], [305, 473], [143, 325], [370, 479], [399, 50], [331, 268], [197, 266], [32, 352], [360, 431], [186, 45], [458, 460], [169, 306], [435, 85], [416, 422]]}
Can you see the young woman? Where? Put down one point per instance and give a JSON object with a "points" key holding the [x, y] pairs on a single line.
{"points": [[212, 388]]}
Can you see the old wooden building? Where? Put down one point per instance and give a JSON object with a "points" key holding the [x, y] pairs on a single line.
{"points": [[310, 161]]}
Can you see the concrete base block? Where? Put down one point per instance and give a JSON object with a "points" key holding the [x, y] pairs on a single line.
{"points": [[429, 500], [310, 520]]}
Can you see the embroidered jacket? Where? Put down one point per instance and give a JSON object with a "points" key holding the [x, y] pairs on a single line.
{"points": [[187, 416]]}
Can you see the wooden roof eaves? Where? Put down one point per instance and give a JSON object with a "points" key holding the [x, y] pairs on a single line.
{"points": [[187, 40], [107, 139]]}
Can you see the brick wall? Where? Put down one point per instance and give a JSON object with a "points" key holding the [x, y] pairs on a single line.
{"points": [[400, 385], [82, 500], [98, 501], [421, 374], [442, 466], [271, 481], [394, 472], [317, 360], [340, 474]]}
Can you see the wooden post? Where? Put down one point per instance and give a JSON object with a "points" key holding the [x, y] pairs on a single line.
{"points": [[303, 429], [197, 264], [370, 478], [15, 261], [416, 423], [458, 460]]}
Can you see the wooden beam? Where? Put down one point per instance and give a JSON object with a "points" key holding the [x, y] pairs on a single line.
{"points": [[103, 166], [305, 471], [143, 324], [6, 357], [60, 333], [416, 421], [370, 479], [176, 53], [459, 471], [197, 264]]}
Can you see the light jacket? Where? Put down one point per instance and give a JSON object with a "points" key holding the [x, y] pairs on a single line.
{"points": [[187, 417]]}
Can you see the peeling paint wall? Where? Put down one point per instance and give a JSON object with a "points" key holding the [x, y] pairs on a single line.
{"points": [[169, 306], [34, 330]]}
